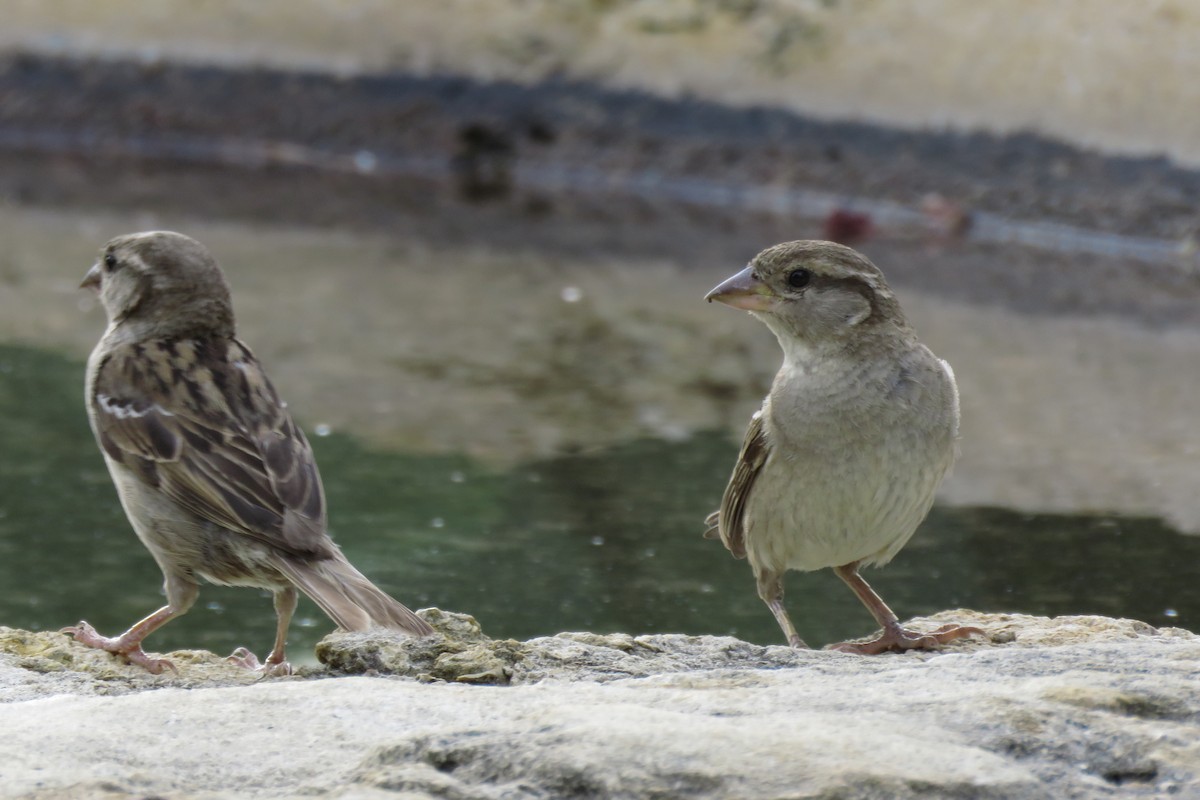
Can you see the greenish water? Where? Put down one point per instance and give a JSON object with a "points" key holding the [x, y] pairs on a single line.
{"points": [[609, 541]]}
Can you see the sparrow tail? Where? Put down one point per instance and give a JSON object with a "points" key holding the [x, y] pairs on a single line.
{"points": [[350, 600]]}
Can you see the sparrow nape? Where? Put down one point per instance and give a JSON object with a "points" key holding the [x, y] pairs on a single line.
{"points": [[840, 465], [217, 480]]}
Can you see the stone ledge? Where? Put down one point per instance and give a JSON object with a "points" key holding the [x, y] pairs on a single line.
{"points": [[1064, 707]]}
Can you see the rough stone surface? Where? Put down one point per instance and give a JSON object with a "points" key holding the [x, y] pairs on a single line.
{"points": [[1072, 707], [463, 654]]}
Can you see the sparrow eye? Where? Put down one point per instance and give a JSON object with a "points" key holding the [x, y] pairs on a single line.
{"points": [[110, 262], [799, 278]]}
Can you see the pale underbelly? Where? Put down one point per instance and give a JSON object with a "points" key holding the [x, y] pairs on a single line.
{"points": [[803, 522]]}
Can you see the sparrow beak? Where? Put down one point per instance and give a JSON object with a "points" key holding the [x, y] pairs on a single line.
{"points": [[92, 279], [744, 291]]}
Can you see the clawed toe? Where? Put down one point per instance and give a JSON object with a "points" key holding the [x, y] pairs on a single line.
{"points": [[948, 633], [900, 640], [280, 670], [83, 633], [242, 657], [154, 666]]}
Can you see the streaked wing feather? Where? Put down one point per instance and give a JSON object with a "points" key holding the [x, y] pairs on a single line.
{"points": [[729, 521], [199, 420]]}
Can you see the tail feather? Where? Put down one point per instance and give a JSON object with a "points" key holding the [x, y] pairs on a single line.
{"points": [[350, 600]]}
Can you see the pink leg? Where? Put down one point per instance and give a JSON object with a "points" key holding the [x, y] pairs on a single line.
{"points": [[770, 589], [181, 594], [894, 637], [276, 664]]}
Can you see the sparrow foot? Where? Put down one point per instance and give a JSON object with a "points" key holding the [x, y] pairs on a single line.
{"points": [[897, 639], [247, 660], [126, 647]]}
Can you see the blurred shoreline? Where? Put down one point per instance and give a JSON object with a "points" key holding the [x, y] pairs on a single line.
{"points": [[1122, 80], [581, 170]]}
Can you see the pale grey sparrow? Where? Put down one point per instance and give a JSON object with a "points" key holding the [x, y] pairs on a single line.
{"points": [[840, 465]]}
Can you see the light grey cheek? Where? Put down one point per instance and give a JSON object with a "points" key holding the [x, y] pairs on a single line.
{"points": [[855, 309], [839, 310], [120, 293]]}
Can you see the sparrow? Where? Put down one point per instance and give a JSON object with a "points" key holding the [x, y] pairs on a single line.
{"points": [[840, 465], [216, 478]]}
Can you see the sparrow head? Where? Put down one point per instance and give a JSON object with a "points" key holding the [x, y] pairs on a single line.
{"points": [[815, 292], [163, 283]]}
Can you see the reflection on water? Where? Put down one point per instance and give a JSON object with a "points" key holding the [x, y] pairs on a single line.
{"points": [[608, 541]]}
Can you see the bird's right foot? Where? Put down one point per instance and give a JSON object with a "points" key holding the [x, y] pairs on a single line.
{"points": [[897, 639], [271, 669], [127, 648]]}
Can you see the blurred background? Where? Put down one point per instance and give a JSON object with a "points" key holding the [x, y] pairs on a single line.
{"points": [[471, 241]]}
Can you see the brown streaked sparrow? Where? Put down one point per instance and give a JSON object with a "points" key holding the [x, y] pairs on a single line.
{"points": [[217, 480]]}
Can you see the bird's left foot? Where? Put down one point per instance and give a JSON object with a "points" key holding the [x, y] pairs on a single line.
{"points": [[897, 639], [247, 660]]}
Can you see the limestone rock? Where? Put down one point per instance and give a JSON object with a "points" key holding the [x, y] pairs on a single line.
{"points": [[462, 653], [1072, 707]]}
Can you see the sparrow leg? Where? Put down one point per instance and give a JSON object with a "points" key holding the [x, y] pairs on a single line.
{"points": [[893, 637], [770, 589], [276, 663], [285, 607], [181, 594]]}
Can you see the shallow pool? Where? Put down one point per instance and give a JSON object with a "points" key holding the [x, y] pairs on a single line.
{"points": [[602, 541]]}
